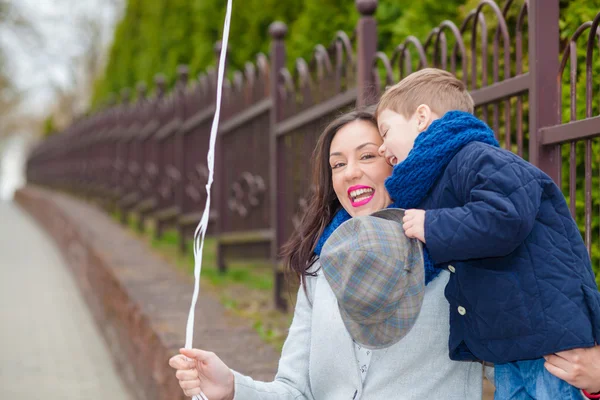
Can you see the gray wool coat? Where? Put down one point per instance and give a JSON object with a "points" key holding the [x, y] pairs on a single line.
{"points": [[318, 360]]}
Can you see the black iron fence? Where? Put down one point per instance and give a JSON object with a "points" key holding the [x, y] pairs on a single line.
{"points": [[149, 157]]}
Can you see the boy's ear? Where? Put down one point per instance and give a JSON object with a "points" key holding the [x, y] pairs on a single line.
{"points": [[424, 117]]}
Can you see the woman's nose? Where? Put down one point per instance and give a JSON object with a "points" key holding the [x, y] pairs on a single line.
{"points": [[353, 171]]}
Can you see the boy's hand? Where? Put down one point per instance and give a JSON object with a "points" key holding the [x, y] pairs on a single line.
{"points": [[414, 224]]}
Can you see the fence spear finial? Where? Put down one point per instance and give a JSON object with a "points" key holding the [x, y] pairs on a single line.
{"points": [[125, 95], [278, 30], [183, 73], [161, 85], [366, 7], [141, 90]]}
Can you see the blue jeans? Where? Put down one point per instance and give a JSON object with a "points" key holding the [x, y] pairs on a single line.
{"points": [[527, 380]]}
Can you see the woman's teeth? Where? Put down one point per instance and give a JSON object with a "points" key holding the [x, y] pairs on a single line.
{"points": [[360, 194]]}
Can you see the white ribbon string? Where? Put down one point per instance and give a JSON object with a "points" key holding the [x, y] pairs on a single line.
{"points": [[200, 232]]}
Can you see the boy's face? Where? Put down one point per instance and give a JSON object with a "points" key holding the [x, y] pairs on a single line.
{"points": [[399, 134]]}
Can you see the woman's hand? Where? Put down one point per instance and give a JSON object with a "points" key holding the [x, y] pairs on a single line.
{"points": [[578, 367], [202, 371]]}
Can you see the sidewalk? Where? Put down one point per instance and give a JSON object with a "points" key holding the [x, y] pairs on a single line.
{"points": [[50, 347]]}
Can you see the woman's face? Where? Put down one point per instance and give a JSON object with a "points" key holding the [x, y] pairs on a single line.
{"points": [[357, 170]]}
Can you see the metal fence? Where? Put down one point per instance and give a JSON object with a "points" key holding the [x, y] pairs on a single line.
{"points": [[149, 157]]}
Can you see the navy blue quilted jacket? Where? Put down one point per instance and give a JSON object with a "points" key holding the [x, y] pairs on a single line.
{"points": [[521, 283]]}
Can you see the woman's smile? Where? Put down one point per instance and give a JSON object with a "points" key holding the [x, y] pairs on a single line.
{"points": [[360, 195]]}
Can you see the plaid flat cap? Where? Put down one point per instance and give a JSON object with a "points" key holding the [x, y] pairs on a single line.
{"points": [[377, 275]]}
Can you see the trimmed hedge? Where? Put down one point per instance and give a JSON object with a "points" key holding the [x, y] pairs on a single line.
{"points": [[156, 36]]}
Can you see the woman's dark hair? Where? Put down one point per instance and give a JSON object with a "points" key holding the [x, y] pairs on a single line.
{"points": [[298, 252]]}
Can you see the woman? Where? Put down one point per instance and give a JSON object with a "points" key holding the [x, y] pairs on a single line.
{"points": [[319, 359]]}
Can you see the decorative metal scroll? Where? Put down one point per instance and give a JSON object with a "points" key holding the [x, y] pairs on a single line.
{"points": [[196, 181], [172, 177], [246, 194], [148, 177]]}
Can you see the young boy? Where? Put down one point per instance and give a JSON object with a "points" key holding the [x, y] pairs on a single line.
{"points": [[521, 284]]}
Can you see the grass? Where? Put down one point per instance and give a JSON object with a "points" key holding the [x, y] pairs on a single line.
{"points": [[245, 289]]}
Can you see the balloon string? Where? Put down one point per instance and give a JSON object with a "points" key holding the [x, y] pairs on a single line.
{"points": [[200, 232]]}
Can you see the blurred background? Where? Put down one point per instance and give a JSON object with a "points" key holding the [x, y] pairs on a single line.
{"points": [[109, 102], [62, 59], [51, 53]]}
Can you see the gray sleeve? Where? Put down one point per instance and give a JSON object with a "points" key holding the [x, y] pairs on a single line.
{"points": [[291, 381]]}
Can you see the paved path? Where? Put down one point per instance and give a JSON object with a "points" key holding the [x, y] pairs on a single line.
{"points": [[50, 347]]}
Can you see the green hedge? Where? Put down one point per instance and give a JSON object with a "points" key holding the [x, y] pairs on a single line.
{"points": [[156, 36]]}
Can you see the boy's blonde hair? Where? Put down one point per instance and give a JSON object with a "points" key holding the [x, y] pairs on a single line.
{"points": [[438, 89]]}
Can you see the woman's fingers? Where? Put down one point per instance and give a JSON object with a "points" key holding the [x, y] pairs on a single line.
{"points": [[573, 356], [203, 371], [554, 370], [197, 354], [181, 362], [192, 392], [558, 362], [187, 374], [187, 385]]}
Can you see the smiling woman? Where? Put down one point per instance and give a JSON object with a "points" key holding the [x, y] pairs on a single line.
{"points": [[319, 359], [346, 164], [358, 172]]}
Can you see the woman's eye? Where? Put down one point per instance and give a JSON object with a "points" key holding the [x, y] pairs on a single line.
{"points": [[367, 156], [337, 165]]}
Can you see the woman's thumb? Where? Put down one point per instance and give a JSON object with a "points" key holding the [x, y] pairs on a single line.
{"points": [[196, 354]]}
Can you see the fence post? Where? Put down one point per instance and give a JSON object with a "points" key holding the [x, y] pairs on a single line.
{"points": [[366, 47], [220, 189], [139, 118], [122, 149], [108, 123], [151, 150], [180, 151], [543, 93], [277, 30]]}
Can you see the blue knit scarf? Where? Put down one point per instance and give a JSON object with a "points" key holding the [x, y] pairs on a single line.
{"points": [[413, 178]]}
